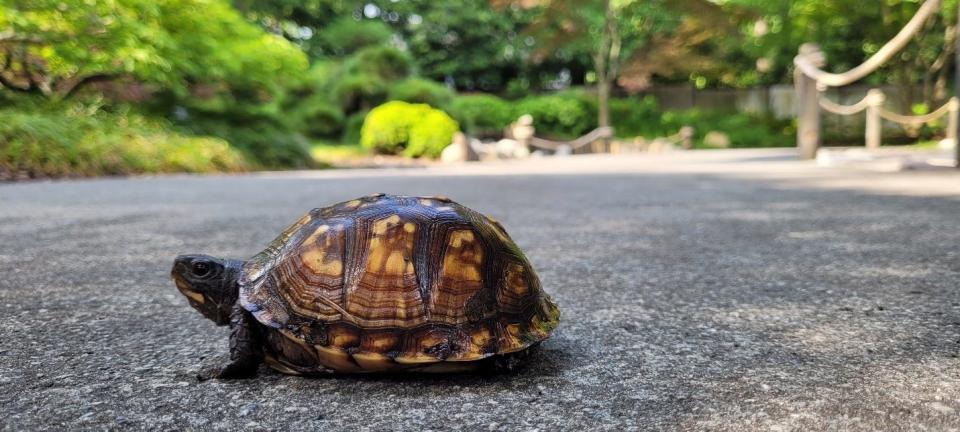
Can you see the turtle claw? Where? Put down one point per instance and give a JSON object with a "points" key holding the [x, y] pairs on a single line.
{"points": [[238, 370]]}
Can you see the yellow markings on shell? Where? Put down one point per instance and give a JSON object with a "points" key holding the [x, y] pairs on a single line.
{"points": [[515, 281], [458, 266], [352, 204], [382, 343], [422, 357], [454, 267], [459, 270], [480, 337], [380, 226], [375, 256], [343, 339], [316, 234], [386, 256], [457, 238], [315, 258], [510, 341], [395, 263]]}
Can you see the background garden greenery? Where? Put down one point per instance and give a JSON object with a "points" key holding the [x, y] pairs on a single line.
{"points": [[92, 87]]}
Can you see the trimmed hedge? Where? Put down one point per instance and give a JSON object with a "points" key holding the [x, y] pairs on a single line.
{"points": [[413, 130]]}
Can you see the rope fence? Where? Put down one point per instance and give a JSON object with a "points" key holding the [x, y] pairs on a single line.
{"points": [[833, 107], [872, 103], [568, 146], [811, 80], [949, 107], [810, 63]]}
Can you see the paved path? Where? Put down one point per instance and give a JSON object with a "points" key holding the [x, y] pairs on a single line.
{"points": [[707, 290]]}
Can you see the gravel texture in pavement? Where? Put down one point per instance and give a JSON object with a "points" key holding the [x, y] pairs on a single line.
{"points": [[730, 293]]}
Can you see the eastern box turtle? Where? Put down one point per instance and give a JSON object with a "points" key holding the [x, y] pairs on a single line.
{"points": [[379, 283]]}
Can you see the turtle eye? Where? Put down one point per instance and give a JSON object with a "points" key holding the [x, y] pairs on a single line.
{"points": [[201, 268]]}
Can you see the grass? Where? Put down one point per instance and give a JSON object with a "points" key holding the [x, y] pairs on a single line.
{"points": [[924, 145], [328, 153]]}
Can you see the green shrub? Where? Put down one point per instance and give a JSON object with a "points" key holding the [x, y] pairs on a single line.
{"points": [[517, 88], [268, 144], [386, 128], [411, 129], [358, 92], [419, 90], [632, 117], [316, 118], [558, 115], [743, 129], [318, 79], [385, 62], [482, 114], [352, 127], [86, 141], [430, 134], [346, 35]]}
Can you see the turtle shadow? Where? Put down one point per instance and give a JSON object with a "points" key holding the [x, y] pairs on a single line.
{"points": [[537, 362]]}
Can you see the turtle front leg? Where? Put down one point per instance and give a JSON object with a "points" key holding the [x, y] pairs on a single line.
{"points": [[246, 352]]}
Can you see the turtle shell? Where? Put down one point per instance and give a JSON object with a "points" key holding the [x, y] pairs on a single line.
{"points": [[386, 282]]}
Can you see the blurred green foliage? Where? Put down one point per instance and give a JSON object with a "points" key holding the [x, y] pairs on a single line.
{"points": [[419, 90], [271, 76], [83, 139], [352, 127], [54, 47], [346, 35], [482, 114], [559, 115], [642, 117], [413, 130], [359, 92]]}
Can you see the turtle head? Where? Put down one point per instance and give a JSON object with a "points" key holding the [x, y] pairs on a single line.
{"points": [[209, 283]]}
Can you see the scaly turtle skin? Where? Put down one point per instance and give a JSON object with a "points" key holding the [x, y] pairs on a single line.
{"points": [[379, 283]]}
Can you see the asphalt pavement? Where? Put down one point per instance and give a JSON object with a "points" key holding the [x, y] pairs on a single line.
{"points": [[699, 291]]}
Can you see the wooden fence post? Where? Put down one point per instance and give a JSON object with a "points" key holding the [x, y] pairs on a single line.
{"points": [[686, 137], [808, 104], [875, 99]]}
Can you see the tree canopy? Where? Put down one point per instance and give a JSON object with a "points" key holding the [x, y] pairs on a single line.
{"points": [[55, 47]]}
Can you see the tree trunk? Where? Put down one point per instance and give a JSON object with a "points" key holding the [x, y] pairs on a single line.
{"points": [[603, 103], [606, 60]]}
